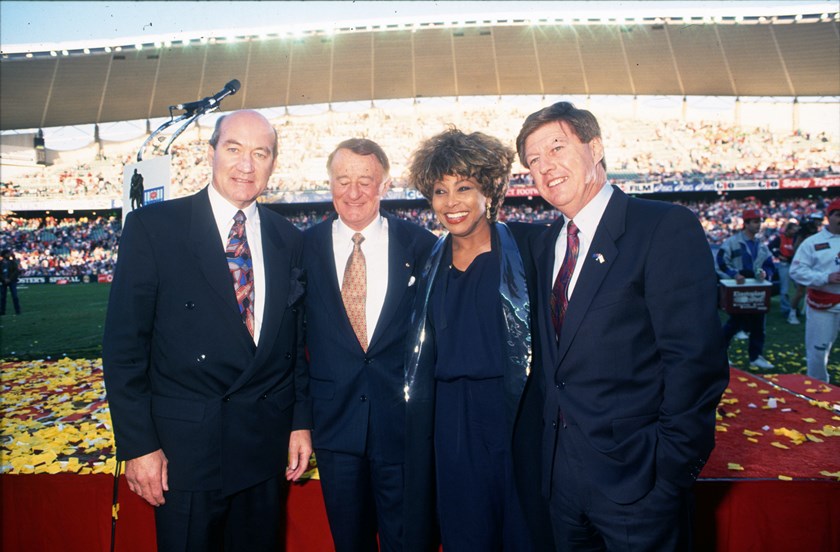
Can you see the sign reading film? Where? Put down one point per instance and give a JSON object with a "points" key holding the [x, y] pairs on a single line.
{"points": [[145, 182]]}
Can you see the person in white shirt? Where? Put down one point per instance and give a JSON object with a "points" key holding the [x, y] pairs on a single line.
{"points": [[362, 268], [816, 265]]}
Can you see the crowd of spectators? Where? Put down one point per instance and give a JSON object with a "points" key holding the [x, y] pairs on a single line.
{"points": [[645, 150], [87, 245], [48, 246]]}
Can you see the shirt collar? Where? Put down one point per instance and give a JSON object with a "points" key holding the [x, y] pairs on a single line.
{"points": [[371, 232], [224, 212], [589, 217]]}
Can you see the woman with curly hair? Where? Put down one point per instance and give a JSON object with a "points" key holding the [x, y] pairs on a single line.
{"points": [[473, 407]]}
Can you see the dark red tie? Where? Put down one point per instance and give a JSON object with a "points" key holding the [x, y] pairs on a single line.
{"points": [[560, 291]]}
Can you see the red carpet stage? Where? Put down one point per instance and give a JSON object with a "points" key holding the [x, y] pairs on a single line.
{"points": [[771, 484]]}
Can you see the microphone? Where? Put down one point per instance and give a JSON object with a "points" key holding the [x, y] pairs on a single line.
{"points": [[211, 102]]}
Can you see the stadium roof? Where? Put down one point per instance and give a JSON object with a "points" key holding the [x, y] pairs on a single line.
{"points": [[796, 55]]}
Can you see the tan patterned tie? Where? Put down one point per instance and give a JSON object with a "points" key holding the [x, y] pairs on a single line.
{"points": [[354, 290]]}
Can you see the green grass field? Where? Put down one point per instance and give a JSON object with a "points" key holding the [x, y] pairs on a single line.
{"points": [[67, 320], [57, 321]]}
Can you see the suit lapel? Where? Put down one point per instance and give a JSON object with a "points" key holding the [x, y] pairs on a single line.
{"points": [[544, 252], [326, 268], [203, 236], [593, 272], [400, 268], [276, 261]]}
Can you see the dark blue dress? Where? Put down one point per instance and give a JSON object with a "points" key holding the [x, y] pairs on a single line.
{"points": [[477, 502]]}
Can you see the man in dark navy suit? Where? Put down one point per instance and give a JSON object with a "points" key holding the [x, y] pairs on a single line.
{"points": [[631, 347], [363, 267], [203, 353]]}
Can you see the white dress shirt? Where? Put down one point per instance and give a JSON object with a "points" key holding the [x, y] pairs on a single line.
{"points": [[224, 212], [375, 249], [587, 221]]}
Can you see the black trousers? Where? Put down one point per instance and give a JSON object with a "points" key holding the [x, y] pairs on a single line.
{"points": [[11, 286], [363, 497], [584, 520], [250, 520]]}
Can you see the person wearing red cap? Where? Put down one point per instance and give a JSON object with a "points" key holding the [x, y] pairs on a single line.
{"points": [[816, 265], [740, 257]]}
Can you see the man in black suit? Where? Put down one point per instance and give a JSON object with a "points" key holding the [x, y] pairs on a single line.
{"points": [[631, 347], [203, 353], [356, 331]]}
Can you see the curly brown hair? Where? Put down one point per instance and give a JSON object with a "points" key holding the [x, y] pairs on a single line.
{"points": [[453, 153]]}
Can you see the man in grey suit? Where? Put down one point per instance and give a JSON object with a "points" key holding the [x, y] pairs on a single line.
{"points": [[362, 270]]}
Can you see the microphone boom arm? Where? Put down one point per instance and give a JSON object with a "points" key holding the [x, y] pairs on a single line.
{"points": [[192, 111]]}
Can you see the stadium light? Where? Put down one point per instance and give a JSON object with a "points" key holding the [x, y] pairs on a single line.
{"points": [[138, 46], [107, 49], [53, 53], [63, 52]]}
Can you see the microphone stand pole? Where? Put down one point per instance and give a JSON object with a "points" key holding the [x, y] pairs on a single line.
{"points": [[189, 115]]}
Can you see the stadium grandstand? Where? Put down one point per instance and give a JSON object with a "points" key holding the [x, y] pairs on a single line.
{"points": [[713, 110], [720, 106]]}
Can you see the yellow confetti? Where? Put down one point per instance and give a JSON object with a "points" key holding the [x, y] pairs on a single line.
{"points": [[831, 474], [720, 429], [813, 438], [779, 445], [795, 436], [785, 478], [809, 420], [752, 433], [753, 384], [752, 439], [734, 467]]}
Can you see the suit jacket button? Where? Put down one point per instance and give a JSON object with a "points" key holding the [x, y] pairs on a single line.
{"points": [[264, 396], [554, 424], [368, 360], [363, 398], [294, 310], [562, 385], [288, 356], [226, 398], [189, 305]]}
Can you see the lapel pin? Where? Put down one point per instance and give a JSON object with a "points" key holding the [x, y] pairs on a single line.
{"points": [[598, 257]]}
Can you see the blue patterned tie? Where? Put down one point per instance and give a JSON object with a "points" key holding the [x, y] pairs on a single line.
{"points": [[560, 291], [239, 262]]}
